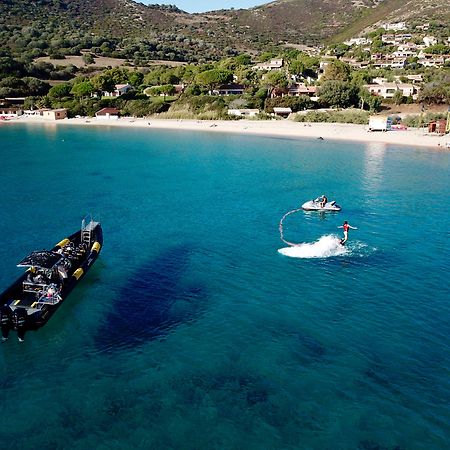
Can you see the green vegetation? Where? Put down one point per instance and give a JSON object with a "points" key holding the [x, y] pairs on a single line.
{"points": [[437, 89], [154, 91], [422, 119], [348, 116], [338, 94], [81, 31]]}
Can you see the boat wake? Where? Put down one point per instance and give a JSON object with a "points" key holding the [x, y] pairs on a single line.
{"points": [[325, 247]]}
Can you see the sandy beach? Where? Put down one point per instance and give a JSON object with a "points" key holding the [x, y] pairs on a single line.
{"points": [[280, 128]]}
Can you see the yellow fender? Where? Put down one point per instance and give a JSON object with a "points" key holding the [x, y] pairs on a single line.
{"points": [[62, 243], [77, 274], [96, 247]]}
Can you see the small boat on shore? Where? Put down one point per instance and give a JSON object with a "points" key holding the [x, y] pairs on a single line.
{"points": [[34, 297]]}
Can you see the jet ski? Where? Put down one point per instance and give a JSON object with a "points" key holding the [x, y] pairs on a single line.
{"points": [[315, 205]]}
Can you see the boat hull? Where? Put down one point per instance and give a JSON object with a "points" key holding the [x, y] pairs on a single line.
{"points": [[315, 206], [23, 307]]}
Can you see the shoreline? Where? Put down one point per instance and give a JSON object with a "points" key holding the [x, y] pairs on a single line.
{"points": [[275, 128]]}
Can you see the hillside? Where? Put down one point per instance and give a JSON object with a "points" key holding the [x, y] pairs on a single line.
{"points": [[324, 21], [298, 21], [124, 28]]}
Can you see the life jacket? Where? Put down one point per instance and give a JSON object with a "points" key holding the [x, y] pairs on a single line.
{"points": [[346, 226]]}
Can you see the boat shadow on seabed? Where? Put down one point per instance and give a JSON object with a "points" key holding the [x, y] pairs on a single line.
{"points": [[154, 300]]}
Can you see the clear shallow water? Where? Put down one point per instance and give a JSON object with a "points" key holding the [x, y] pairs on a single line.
{"points": [[192, 331]]}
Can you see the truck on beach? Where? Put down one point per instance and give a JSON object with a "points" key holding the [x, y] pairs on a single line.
{"points": [[380, 123]]}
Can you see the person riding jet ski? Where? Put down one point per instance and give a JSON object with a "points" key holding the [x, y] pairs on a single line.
{"points": [[321, 204]]}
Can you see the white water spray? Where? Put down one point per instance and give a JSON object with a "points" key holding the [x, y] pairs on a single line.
{"points": [[326, 246]]}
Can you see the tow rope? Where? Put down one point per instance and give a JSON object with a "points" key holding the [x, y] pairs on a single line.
{"points": [[281, 226]]}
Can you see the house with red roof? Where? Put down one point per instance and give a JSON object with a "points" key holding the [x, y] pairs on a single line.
{"points": [[107, 114]]}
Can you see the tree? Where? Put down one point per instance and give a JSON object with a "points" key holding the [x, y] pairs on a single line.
{"points": [[361, 77], [214, 77], [35, 86], [369, 101], [377, 45], [83, 89], [56, 54], [337, 70], [398, 98], [11, 67], [169, 78], [266, 56], [12, 87], [103, 82], [339, 49], [153, 78], [136, 78], [437, 92], [246, 76], [299, 103], [337, 93], [30, 103], [41, 69], [153, 91], [60, 91], [187, 73], [439, 49], [88, 58], [304, 65], [168, 89], [192, 90], [243, 60], [296, 67], [276, 78]]}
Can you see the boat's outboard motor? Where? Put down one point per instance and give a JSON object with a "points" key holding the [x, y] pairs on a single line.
{"points": [[5, 321], [20, 322]]}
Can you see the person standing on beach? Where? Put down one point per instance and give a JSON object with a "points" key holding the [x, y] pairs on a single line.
{"points": [[346, 226]]}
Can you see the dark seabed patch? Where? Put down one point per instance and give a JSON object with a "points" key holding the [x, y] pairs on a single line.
{"points": [[95, 173], [155, 299], [304, 348], [371, 445]]}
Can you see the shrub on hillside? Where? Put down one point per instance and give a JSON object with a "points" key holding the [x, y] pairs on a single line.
{"points": [[345, 116], [422, 119], [202, 104], [295, 103], [142, 108]]}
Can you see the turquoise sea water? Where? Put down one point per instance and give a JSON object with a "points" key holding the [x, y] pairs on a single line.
{"points": [[192, 331]]}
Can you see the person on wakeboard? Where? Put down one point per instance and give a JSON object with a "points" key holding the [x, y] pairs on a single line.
{"points": [[323, 201], [346, 226]]}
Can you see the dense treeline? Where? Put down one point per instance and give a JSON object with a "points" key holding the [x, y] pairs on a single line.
{"points": [[57, 41], [154, 89]]}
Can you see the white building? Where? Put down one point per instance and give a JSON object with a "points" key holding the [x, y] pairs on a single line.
{"points": [[243, 112], [54, 114], [273, 64], [432, 62], [397, 26], [387, 90], [423, 27], [119, 90], [107, 114], [395, 63], [10, 113], [358, 41], [282, 112], [429, 41], [404, 54]]}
